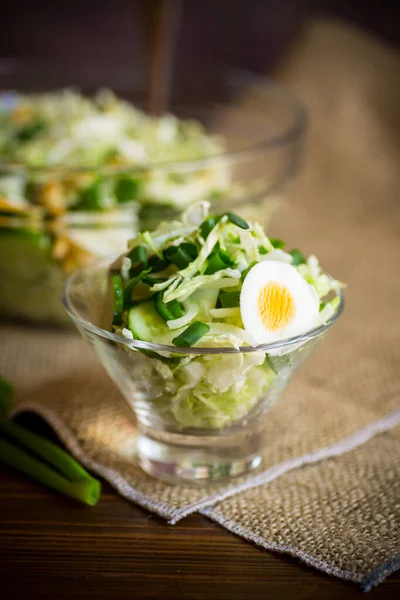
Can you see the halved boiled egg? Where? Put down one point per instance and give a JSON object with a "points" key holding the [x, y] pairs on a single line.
{"points": [[277, 303]]}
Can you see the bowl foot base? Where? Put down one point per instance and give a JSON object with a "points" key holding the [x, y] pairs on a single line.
{"points": [[180, 460]]}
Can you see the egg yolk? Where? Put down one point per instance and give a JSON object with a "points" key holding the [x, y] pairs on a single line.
{"points": [[276, 306]]}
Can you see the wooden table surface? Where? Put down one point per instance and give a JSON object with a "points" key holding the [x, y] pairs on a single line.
{"points": [[54, 548]]}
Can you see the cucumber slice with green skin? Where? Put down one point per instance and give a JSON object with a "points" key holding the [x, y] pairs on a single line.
{"points": [[147, 325]]}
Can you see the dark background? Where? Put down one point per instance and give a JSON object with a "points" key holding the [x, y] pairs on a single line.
{"points": [[107, 42]]}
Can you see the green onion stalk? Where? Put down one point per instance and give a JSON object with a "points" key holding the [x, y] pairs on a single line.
{"points": [[67, 475]]}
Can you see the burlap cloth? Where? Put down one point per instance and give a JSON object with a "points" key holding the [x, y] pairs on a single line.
{"points": [[329, 489]]}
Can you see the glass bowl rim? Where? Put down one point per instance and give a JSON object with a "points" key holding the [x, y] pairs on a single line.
{"points": [[36, 219], [263, 84], [140, 345]]}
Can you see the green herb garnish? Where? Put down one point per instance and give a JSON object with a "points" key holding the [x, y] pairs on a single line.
{"points": [[133, 283], [118, 294], [298, 257], [192, 334], [178, 256], [31, 130], [277, 244], [126, 190], [138, 254], [236, 220], [229, 299]]}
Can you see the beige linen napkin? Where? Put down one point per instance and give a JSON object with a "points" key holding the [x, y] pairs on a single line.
{"points": [[328, 491]]}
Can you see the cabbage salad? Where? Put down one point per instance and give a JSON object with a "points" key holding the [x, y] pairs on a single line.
{"points": [[101, 154], [190, 283], [78, 179]]}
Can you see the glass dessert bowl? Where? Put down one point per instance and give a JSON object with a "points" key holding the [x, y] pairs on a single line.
{"points": [[69, 163], [202, 350]]}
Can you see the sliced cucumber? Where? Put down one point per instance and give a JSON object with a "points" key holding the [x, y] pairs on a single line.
{"points": [[146, 324]]}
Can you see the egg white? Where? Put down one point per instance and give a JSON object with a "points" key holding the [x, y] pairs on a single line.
{"points": [[304, 302]]}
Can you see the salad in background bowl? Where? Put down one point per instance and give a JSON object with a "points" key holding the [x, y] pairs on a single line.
{"points": [[201, 324], [69, 193], [64, 152], [79, 176]]}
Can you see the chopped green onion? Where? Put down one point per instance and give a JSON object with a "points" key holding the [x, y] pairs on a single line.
{"points": [[236, 220], [157, 264], [149, 280], [192, 334], [229, 299], [225, 256], [263, 250], [208, 225], [298, 257], [138, 254], [167, 311], [234, 239], [91, 198], [126, 189], [118, 295], [31, 130], [216, 262], [178, 256], [219, 259], [322, 306], [175, 309], [132, 283], [277, 363], [190, 249], [162, 308], [278, 244]]}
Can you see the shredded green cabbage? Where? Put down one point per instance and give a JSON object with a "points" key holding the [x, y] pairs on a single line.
{"points": [[203, 394], [68, 129], [213, 391]]}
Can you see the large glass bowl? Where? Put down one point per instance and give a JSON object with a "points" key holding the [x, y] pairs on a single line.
{"points": [[261, 128], [37, 255], [185, 433]]}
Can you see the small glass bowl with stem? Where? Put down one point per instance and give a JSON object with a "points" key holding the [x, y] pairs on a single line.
{"points": [[190, 434]]}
